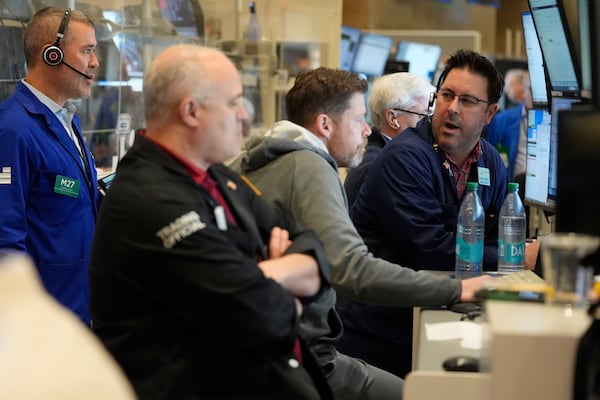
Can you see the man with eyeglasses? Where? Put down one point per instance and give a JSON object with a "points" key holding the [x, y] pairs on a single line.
{"points": [[295, 165], [406, 210], [397, 101]]}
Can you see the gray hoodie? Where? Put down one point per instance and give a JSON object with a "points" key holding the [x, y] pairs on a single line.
{"points": [[292, 167]]}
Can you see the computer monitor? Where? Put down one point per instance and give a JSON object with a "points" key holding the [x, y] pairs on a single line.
{"points": [[557, 48], [372, 54], [186, 16], [585, 49], [16, 10], [579, 148], [557, 105], [348, 45], [535, 62], [537, 176], [542, 153], [422, 58]]}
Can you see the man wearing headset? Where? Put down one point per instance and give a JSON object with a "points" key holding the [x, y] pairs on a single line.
{"points": [[407, 209], [397, 101], [48, 188]]}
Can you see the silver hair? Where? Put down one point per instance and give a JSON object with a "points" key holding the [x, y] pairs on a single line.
{"points": [[397, 90]]}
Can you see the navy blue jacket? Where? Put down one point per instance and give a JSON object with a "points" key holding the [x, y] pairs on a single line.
{"points": [[356, 176], [55, 229], [408, 206], [503, 133]]}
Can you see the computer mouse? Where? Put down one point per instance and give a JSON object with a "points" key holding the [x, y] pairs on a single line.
{"points": [[461, 364]]}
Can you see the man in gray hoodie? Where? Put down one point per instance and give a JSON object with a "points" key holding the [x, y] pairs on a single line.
{"points": [[295, 164]]}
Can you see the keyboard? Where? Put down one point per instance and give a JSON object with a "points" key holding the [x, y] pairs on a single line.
{"points": [[521, 280], [520, 286]]}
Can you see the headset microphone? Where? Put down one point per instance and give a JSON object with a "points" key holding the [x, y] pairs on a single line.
{"points": [[53, 54], [86, 76]]}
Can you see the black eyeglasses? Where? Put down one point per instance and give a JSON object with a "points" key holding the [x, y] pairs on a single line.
{"points": [[410, 112], [465, 100]]}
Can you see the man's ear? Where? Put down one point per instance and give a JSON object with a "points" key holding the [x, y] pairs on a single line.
{"points": [[188, 111], [492, 109], [323, 126]]}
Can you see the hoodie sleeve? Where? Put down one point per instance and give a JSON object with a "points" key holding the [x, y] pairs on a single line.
{"points": [[321, 205]]}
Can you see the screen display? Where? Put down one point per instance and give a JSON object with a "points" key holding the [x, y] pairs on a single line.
{"points": [[348, 45], [185, 15], [558, 104], [537, 176], [585, 49], [556, 47], [422, 58], [535, 62], [542, 153], [372, 54], [579, 145]]}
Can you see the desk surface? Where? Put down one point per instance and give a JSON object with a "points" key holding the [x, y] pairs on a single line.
{"points": [[431, 354], [530, 350]]}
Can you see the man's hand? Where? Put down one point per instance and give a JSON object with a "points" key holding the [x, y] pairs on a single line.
{"points": [[279, 242], [472, 285], [531, 253], [298, 273]]}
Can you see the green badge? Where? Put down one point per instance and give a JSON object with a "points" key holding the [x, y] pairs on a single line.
{"points": [[66, 186]]}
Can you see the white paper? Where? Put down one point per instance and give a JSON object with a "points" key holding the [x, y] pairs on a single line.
{"points": [[469, 333]]}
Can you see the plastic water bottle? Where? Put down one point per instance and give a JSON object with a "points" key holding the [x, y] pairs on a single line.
{"points": [[469, 234], [511, 232], [253, 33]]}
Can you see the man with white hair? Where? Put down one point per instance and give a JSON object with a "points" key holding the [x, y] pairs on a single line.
{"points": [[396, 102]]}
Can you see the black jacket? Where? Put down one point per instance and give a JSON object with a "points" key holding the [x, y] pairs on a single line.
{"points": [[182, 305]]}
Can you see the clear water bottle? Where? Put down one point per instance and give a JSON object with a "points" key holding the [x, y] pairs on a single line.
{"points": [[469, 234], [511, 232], [253, 33]]}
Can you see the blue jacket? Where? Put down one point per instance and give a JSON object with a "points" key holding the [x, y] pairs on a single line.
{"points": [[503, 133], [36, 157], [356, 176], [407, 208]]}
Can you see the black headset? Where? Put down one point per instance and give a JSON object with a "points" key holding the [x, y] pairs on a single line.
{"points": [[53, 55]]}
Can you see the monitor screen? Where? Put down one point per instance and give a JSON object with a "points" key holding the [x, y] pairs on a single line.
{"points": [[585, 49], [557, 104], [579, 145], [543, 153], [535, 62], [537, 176], [17, 10], [557, 49], [348, 45], [186, 16], [422, 58], [372, 54]]}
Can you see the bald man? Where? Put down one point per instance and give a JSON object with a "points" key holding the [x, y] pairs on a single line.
{"points": [[199, 294]]}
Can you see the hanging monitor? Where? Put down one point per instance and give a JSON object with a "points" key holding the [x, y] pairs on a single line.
{"points": [[535, 62], [348, 45], [372, 54], [585, 49], [537, 177], [557, 49], [542, 153], [579, 145], [186, 16], [422, 58]]}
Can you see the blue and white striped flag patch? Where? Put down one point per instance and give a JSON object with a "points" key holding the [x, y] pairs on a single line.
{"points": [[5, 176]]}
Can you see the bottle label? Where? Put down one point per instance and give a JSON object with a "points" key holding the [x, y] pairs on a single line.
{"points": [[469, 252], [511, 253]]}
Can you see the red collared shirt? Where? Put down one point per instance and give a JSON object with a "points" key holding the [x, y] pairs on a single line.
{"points": [[201, 177], [461, 174]]}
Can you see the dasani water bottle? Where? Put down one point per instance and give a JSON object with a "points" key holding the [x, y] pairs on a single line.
{"points": [[511, 232], [469, 234]]}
